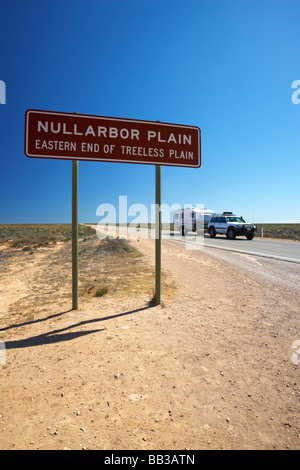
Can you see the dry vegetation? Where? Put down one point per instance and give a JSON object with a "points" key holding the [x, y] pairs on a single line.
{"points": [[31, 236], [106, 267], [282, 231]]}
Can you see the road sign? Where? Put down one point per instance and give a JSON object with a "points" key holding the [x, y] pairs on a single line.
{"points": [[96, 138], [72, 136]]}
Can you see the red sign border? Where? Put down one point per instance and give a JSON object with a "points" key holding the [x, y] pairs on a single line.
{"points": [[158, 123]]}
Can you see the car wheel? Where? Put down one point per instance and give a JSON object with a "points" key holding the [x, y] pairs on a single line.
{"points": [[250, 236], [212, 232], [231, 234]]}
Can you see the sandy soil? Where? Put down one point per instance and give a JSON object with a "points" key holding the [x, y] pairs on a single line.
{"points": [[210, 369]]}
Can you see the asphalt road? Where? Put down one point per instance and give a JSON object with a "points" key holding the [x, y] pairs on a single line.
{"points": [[281, 250], [273, 249]]}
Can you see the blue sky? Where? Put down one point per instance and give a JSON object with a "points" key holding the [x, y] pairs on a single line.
{"points": [[222, 65]]}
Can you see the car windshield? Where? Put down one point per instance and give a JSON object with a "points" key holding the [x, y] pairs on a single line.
{"points": [[235, 219]]}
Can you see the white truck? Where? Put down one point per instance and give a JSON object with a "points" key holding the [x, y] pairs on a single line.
{"points": [[192, 219], [231, 226]]}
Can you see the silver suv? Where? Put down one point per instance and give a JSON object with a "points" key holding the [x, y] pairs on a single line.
{"points": [[231, 226]]}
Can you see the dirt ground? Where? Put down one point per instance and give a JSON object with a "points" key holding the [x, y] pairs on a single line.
{"points": [[211, 368]]}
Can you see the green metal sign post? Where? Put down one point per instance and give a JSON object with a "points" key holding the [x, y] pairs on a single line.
{"points": [[75, 294], [157, 296]]}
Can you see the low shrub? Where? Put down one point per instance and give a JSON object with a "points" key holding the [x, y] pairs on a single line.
{"points": [[101, 292]]}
